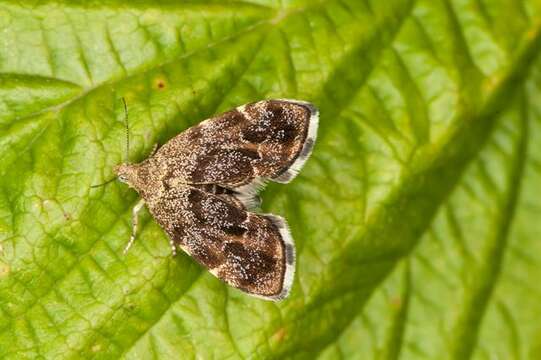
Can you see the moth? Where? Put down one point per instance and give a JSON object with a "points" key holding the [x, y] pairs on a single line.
{"points": [[202, 185]]}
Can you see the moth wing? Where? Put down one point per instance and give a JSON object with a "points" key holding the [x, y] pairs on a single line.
{"points": [[252, 252], [242, 148]]}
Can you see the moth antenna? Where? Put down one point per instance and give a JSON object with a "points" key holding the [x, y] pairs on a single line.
{"points": [[127, 129], [127, 143], [104, 183]]}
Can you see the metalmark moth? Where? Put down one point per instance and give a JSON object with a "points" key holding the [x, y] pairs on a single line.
{"points": [[202, 185]]}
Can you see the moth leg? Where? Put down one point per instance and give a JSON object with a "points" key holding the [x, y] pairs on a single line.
{"points": [[134, 221], [173, 247], [154, 149]]}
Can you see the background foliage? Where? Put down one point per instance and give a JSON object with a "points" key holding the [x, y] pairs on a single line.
{"points": [[416, 220]]}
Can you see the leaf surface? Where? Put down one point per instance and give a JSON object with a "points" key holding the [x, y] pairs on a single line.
{"points": [[415, 219]]}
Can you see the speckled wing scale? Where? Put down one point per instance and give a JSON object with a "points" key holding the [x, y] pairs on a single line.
{"points": [[202, 186]]}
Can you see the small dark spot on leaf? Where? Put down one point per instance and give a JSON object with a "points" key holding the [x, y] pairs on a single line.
{"points": [[4, 270], [279, 335], [396, 302], [160, 83]]}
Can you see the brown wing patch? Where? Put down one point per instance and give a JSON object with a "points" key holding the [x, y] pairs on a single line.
{"points": [[280, 129]]}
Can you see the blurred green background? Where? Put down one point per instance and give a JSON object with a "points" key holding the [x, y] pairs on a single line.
{"points": [[417, 220]]}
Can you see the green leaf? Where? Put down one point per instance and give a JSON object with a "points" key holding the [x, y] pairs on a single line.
{"points": [[416, 220]]}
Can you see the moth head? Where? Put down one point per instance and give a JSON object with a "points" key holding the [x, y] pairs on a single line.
{"points": [[126, 173]]}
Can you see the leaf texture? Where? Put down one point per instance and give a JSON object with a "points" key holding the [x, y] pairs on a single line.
{"points": [[415, 219]]}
